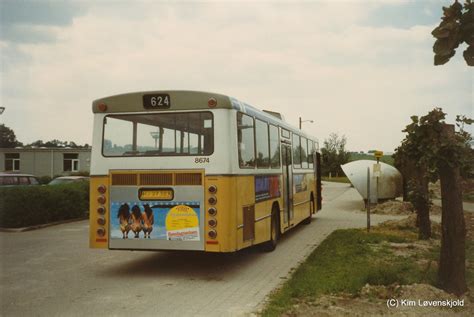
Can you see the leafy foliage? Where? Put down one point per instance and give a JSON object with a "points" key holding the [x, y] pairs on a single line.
{"points": [[8, 138], [427, 145], [56, 144], [334, 155], [456, 27]]}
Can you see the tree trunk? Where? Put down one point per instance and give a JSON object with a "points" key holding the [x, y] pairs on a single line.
{"points": [[452, 265], [421, 203], [417, 192], [405, 188]]}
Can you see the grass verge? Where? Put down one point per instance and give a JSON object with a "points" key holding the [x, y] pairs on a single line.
{"points": [[349, 259], [470, 267]]}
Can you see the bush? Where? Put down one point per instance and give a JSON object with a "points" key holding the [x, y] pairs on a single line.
{"points": [[80, 173], [32, 205], [45, 179]]}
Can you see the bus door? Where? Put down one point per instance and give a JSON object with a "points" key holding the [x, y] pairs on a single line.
{"points": [[287, 184], [317, 165]]}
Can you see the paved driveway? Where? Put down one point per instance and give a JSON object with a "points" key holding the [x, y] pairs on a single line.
{"points": [[52, 272]]}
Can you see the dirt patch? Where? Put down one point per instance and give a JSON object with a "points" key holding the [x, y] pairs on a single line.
{"points": [[393, 207], [410, 249], [397, 207], [409, 223], [467, 187], [435, 210], [435, 190]]}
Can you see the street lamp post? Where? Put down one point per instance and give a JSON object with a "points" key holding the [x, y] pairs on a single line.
{"points": [[301, 121], [155, 135]]}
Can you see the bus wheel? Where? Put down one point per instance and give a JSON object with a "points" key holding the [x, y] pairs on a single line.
{"points": [[307, 221], [270, 245]]}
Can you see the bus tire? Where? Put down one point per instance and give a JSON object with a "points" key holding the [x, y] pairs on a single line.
{"points": [[270, 245], [307, 221]]}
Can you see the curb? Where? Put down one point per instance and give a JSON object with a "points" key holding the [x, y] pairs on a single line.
{"points": [[45, 225]]}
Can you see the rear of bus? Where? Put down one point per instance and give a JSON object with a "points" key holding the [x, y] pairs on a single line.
{"points": [[152, 153]]}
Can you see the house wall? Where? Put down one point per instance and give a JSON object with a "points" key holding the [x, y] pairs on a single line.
{"points": [[46, 162]]}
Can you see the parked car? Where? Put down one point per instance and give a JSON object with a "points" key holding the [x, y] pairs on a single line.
{"points": [[68, 179], [7, 179]]}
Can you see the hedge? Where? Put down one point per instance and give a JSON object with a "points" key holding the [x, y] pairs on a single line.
{"points": [[22, 206]]}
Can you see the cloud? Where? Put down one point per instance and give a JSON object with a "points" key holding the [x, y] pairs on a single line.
{"points": [[406, 14], [318, 60], [33, 21]]}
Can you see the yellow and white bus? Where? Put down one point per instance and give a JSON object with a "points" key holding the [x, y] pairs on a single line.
{"points": [[184, 170]]}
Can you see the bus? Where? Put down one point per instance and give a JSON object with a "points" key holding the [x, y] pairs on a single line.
{"points": [[188, 170]]}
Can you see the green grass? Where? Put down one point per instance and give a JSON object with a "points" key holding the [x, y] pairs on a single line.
{"points": [[470, 266], [340, 179], [345, 262], [468, 198]]}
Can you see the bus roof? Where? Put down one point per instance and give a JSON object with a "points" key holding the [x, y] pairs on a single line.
{"points": [[183, 100]]}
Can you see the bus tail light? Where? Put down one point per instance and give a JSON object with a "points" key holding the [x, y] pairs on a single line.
{"points": [[101, 199], [212, 234], [101, 232], [212, 200], [212, 103], [212, 189], [102, 107], [212, 223], [101, 221], [212, 211], [102, 189], [101, 210]]}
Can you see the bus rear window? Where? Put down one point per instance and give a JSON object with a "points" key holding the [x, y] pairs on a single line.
{"points": [[160, 134]]}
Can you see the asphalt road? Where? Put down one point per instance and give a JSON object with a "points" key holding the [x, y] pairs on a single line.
{"points": [[52, 272]]}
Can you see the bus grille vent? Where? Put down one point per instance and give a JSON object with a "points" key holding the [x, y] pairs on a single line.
{"points": [[189, 179], [156, 179], [124, 179], [249, 222]]}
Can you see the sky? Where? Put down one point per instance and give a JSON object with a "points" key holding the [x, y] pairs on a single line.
{"points": [[357, 68]]}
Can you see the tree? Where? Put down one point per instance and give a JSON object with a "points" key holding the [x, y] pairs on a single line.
{"points": [[435, 148], [56, 144], [416, 176], [456, 27], [334, 155], [8, 138]]}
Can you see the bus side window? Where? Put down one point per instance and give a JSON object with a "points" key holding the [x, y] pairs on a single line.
{"points": [[274, 147], [310, 154], [304, 151], [263, 160], [296, 151], [246, 140]]}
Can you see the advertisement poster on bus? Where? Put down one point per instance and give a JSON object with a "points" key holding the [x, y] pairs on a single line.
{"points": [[267, 187], [155, 220], [300, 183]]}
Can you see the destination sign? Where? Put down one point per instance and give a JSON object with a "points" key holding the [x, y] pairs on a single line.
{"points": [[155, 194]]}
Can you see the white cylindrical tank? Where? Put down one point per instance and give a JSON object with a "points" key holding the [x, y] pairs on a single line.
{"points": [[387, 185]]}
